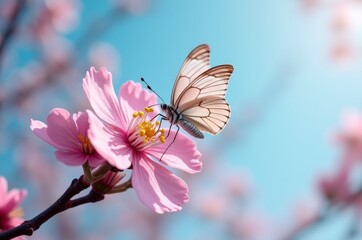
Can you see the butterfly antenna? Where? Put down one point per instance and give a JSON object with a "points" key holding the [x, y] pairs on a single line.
{"points": [[149, 87]]}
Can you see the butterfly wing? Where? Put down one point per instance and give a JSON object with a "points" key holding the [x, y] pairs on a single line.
{"points": [[212, 82], [197, 62], [209, 114]]}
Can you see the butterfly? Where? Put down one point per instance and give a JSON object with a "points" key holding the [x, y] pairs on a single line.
{"points": [[198, 97]]}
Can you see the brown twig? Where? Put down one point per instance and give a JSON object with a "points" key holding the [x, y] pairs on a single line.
{"points": [[62, 204], [325, 214], [51, 75], [11, 27]]}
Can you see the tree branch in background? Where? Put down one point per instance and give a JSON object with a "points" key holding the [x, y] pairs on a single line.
{"points": [[325, 214], [51, 75], [11, 27]]}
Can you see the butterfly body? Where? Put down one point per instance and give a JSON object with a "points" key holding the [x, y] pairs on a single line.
{"points": [[198, 96], [176, 118]]}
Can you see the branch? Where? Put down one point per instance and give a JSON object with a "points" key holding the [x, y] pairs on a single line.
{"points": [[325, 214], [62, 204]]}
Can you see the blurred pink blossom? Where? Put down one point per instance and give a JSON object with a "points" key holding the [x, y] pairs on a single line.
{"points": [[238, 184], [64, 14], [213, 206], [55, 18], [69, 135], [10, 213], [131, 139], [347, 16], [350, 136], [310, 4], [104, 54], [305, 212], [334, 188], [133, 6], [249, 226], [342, 53]]}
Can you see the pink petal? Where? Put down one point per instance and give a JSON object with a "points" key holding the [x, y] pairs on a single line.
{"points": [[71, 158], [13, 222], [182, 154], [100, 92], [40, 129], [133, 97], [95, 160], [3, 190], [62, 130], [109, 143], [157, 187], [13, 198], [81, 120]]}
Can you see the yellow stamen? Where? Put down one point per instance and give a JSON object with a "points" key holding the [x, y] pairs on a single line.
{"points": [[142, 132], [148, 109], [18, 212], [145, 132], [86, 145]]}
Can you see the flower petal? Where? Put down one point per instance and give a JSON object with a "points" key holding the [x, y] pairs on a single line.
{"points": [[157, 187], [71, 158], [13, 222], [95, 160], [3, 189], [133, 97], [13, 198], [81, 120], [101, 95], [40, 129], [109, 143], [182, 153], [62, 130]]}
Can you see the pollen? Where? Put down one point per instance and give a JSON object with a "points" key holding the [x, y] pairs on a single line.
{"points": [[148, 109], [147, 130], [142, 132], [18, 212], [87, 146]]}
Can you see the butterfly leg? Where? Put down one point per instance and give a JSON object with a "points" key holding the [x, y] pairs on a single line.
{"points": [[174, 139], [163, 117], [169, 130], [158, 115]]}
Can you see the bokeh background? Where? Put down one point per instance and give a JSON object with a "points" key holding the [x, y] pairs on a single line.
{"points": [[287, 166]]}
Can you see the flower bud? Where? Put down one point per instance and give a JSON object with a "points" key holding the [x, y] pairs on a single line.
{"points": [[106, 184]]}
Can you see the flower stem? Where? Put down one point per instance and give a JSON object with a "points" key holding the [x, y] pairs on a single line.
{"points": [[122, 187]]}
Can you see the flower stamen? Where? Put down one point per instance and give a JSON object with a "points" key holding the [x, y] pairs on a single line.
{"points": [[144, 133], [86, 145]]}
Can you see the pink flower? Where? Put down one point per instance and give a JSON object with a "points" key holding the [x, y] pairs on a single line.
{"points": [[131, 139], [10, 213], [350, 136], [68, 134]]}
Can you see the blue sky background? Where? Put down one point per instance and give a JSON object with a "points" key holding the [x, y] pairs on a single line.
{"points": [[283, 73]]}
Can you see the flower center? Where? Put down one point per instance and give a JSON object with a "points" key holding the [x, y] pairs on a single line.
{"points": [[86, 145], [18, 212], [143, 133]]}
